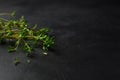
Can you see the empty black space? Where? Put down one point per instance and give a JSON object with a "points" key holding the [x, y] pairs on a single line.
{"points": [[87, 40]]}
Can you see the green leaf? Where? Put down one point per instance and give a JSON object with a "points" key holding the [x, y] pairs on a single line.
{"points": [[43, 31], [35, 26], [11, 49], [16, 61], [13, 13]]}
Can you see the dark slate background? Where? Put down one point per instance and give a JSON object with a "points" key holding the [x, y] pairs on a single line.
{"points": [[87, 40]]}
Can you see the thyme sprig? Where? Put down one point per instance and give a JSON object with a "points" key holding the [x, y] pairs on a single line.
{"points": [[18, 30]]}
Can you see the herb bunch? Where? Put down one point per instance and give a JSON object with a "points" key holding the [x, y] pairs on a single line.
{"points": [[18, 30]]}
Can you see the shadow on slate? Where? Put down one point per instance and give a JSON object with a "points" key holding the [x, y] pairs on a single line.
{"points": [[87, 41]]}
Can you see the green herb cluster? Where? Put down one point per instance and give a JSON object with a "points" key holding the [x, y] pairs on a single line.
{"points": [[18, 30]]}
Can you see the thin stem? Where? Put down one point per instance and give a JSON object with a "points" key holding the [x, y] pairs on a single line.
{"points": [[2, 14], [17, 45], [4, 19], [25, 43]]}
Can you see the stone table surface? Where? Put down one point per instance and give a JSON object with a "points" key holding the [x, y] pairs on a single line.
{"points": [[87, 41]]}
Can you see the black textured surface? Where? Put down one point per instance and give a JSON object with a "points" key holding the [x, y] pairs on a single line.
{"points": [[87, 41]]}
